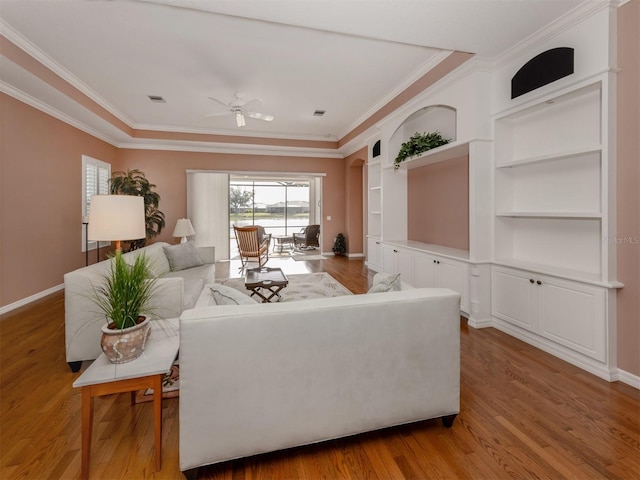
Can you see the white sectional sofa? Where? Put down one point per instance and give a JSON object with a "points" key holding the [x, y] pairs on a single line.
{"points": [[178, 290], [263, 377]]}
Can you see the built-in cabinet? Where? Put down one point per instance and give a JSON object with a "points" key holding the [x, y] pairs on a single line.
{"points": [[553, 277], [571, 314], [541, 258]]}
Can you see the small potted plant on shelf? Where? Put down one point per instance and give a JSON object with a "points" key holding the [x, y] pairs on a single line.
{"points": [[124, 297], [417, 144], [339, 245]]}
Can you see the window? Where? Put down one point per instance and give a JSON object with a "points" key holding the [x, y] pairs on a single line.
{"points": [[95, 181], [280, 206]]}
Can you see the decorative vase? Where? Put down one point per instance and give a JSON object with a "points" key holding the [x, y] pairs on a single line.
{"points": [[127, 344]]}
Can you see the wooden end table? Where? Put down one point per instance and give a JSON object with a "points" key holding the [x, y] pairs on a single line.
{"points": [[270, 279], [147, 371]]}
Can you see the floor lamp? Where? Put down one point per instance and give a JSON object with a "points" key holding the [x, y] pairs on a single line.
{"points": [[116, 218]]}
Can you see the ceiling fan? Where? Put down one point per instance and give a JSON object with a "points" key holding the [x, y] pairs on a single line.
{"points": [[241, 110]]}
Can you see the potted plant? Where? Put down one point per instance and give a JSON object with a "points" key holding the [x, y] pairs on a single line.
{"points": [[134, 182], [124, 297], [339, 245], [417, 144]]}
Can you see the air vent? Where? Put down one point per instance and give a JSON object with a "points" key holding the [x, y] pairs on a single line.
{"points": [[156, 99], [319, 113]]}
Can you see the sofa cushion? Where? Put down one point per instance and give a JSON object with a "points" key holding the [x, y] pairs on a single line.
{"points": [[158, 263], [224, 295], [182, 256], [385, 283]]}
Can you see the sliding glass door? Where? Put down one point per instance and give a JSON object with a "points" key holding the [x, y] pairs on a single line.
{"points": [[280, 206]]}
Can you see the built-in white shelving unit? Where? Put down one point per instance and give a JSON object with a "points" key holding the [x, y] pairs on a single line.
{"points": [[549, 184]]}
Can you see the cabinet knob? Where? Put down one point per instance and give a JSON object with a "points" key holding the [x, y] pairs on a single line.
{"points": [[396, 251], [531, 280], [539, 282], [435, 261]]}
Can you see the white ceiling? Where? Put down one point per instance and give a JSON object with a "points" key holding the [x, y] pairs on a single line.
{"points": [[347, 57]]}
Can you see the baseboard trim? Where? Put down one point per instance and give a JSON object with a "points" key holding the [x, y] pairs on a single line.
{"points": [[32, 298], [628, 378]]}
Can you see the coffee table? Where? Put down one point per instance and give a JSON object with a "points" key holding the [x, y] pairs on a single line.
{"points": [[271, 280], [147, 371]]}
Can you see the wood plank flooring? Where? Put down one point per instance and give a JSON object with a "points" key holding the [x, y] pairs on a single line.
{"points": [[524, 414]]}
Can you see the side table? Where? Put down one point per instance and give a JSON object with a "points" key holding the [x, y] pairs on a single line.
{"points": [[147, 371]]}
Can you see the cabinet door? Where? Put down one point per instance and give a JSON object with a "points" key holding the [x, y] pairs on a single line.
{"points": [[388, 259], [425, 274], [374, 255], [404, 265], [573, 315], [455, 275], [513, 297]]}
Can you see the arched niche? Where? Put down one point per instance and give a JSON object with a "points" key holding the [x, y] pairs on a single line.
{"points": [[440, 118]]}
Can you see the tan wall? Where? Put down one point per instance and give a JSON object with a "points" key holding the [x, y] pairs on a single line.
{"points": [[41, 198], [353, 173], [168, 171], [438, 199], [628, 181]]}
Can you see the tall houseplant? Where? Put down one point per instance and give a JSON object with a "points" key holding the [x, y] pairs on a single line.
{"points": [[419, 143], [124, 296], [134, 182]]}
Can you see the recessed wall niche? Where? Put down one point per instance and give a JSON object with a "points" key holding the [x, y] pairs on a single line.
{"points": [[434, 118]]}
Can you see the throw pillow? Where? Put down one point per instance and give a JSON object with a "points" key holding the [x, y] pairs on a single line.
{"points": [[182, 256], [390, 283], [224, 295]]}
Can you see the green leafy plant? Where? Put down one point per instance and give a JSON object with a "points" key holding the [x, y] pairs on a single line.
{"points": [[339, 245], [126, 291], [134, 182], [417, 144]]}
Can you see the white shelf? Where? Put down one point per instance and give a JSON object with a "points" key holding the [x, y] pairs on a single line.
{"points": [[446, 152], [552, 157], [587, 215], [453, 253], [375, 213], [551, 270], [375, 188], [373, 163]]}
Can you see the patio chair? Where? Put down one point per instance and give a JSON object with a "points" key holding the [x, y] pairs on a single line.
{"points": [[252, 245], [307, 238]]}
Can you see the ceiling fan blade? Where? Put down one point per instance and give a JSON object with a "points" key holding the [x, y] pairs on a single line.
{"points": [[259, 116], [253, 104], [225, 105]]}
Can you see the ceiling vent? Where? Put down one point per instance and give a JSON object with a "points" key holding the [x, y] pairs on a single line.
{"points": [[319, 113], [156, 99]]}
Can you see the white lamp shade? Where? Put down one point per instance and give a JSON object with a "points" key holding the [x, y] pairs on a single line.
{"points": [[116, 217], [183, 228]]}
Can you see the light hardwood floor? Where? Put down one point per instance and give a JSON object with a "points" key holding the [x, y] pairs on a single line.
{"points": [[524, 414]]}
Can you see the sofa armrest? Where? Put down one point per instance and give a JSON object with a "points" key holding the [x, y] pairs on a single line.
{"points": [[207, 254]]}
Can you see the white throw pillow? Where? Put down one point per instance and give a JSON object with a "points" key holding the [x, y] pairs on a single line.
{"points": [[389, 283], [182, 256], [224, 295]]}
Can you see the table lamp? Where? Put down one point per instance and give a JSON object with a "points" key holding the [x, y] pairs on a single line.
{"points": [[116, 218], [183, 229]]}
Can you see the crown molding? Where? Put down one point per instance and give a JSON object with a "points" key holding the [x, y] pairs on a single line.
{"points": [[232, 149], [553, 29], [37, 54], [398, 89], [63, 117], [235, 133]]}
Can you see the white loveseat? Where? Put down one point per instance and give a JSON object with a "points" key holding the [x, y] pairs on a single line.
{"points": [[177, 291], [263, 377]]}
